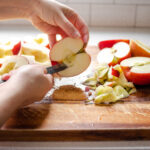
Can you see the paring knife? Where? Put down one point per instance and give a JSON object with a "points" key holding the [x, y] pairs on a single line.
{"points": [[50, 70]]}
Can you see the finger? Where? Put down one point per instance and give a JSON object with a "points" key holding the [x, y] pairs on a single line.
{"points": [[80, 25], [50, 80], [52, 40], [63, 34], [68, 27]]}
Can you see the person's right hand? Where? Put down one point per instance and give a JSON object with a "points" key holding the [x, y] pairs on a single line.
{"points": [[31, 81]]}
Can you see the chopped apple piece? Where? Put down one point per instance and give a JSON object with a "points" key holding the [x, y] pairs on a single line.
{"points": [[12, 62], [120, 92], [40, 53], [42, 39], [104, 94]]}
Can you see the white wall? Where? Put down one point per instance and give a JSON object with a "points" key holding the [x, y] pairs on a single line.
{"points": [[114, 13]]}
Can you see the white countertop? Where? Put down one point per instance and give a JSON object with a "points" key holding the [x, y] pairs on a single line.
{"points": [[96, 34]]}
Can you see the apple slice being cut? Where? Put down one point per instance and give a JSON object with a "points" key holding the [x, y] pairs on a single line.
{"points": [[137, 70], [114, 55], [12, 62], [70, 52]]}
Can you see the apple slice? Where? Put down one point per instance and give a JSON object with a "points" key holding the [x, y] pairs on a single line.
{"points": [[40, 53], [114, 55], [111, 43], [139, 49], [12, 62], [70, 52], [42, 39], [137, 70]]}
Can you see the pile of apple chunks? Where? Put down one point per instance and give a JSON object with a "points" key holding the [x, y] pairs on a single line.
{"points": [[110, 84], [30, 50], [119, 61]]}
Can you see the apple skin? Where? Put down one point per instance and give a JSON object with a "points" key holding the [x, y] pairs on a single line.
{"points": [[138, 50], [125, 57], [110, 43], [16, 48], [115, 72], [140, 78], [136, 78]]}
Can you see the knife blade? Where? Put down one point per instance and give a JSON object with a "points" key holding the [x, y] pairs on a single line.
{"points": [[50, 70]]}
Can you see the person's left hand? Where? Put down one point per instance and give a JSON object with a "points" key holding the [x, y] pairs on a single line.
{"points": [[54, 18]]}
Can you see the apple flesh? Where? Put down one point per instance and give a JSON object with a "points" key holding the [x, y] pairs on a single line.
{"points": [[111, 43], [42, 39], [12, 62], [70, 52], [137, 70], [139, 49], [40, 53], [114, 55]]}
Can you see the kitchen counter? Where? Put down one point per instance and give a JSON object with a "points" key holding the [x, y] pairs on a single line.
{"points": [[96, 35]]}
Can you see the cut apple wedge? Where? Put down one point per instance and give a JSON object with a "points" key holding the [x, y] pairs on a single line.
{"points": [[137, 70], [70, 52], [12, 62], [42, 39], [114, 55], [40, 53], [139, 49], [110, 43]]}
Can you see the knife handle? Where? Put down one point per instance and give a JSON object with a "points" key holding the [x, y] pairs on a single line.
{"points": [[2, 81]]}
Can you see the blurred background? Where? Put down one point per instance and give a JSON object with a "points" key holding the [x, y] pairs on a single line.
{"points": [[115, 18], [110, 13]]}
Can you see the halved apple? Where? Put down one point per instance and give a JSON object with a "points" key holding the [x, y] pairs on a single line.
{"points": [[12, 62], [40, 53], [70, 51], [111, 43], [137, 70], [139, 49], [114, 55]]}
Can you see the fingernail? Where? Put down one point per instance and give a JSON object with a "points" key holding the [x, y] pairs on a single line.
{"points": [[76, 34]]}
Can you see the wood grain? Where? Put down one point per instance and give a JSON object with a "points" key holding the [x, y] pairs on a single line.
{"points": [[73, 120]]}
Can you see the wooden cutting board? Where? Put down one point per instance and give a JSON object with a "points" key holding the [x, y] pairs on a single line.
{"points": [[73, 120]]}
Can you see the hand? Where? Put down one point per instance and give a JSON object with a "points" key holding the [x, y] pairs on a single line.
{"points": [[54, 18], [31, 81]]}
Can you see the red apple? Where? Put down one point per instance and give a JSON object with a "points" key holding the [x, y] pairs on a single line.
{"points": [[139, 49], [114, 55], [137, 70], [70, 52], [110, 43]]}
